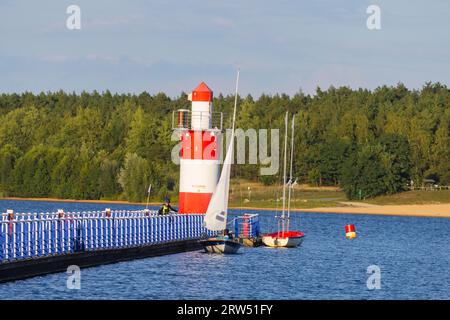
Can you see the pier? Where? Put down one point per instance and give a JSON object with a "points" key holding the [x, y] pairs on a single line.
{"points": [[33, 244]]}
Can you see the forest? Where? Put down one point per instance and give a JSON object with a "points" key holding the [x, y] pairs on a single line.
{"points": [[112, 146]]}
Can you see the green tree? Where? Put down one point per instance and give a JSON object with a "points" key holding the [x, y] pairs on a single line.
{"points": [[65, 175], [134, 177], [396, 159], [108, 184], [75, 145], [440, 154], [363, 173], [8, 157], [32, 173]]}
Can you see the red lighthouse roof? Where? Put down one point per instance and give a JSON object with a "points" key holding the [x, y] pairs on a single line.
{"points": [[202, 93]]}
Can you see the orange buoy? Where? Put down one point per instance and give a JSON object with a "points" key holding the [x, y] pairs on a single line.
{"points": [[350, 232]]}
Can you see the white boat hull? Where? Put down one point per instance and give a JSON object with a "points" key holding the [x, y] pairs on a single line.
{"points": [[287, 242], [220, 246]]}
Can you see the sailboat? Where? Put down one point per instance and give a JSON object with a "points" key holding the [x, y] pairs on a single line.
{"points": [[284, 237], [216, 214]]}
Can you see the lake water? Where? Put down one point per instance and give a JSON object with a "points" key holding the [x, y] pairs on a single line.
{"points": [[412, 253]]}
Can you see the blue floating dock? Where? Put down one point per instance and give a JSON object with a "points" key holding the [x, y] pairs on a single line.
{"points": [[33, 244]]}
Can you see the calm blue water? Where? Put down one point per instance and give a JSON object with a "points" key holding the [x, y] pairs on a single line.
{"points": [[412, 253]]}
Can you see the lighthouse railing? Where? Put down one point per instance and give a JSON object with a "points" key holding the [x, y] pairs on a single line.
{"points": [[189, 120], [34, 235]]}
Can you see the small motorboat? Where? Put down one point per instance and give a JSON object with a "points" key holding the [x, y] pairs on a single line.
{"points": [[220, 245], [289, 239]]}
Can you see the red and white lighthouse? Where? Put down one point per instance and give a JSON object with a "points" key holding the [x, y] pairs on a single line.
{"points": [[199, 152]]}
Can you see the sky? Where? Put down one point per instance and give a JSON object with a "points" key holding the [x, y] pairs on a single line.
{"points": [[171, 46]]}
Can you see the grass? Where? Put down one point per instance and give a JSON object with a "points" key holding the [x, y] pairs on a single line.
{"points": [[303, 196], [252, 194], [413, 197]]}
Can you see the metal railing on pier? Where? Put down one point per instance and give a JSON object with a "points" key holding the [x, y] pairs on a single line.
{"points": [[33, 235], [247, 226]]}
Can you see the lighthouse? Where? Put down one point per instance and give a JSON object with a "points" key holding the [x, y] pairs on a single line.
{"points": [[200, 131]]}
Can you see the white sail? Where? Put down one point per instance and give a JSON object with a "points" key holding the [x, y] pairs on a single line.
{"points": [[216, 214]]}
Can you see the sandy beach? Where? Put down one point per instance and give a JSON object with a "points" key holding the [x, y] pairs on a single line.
{"points": [[417, 210], [414, 210]]}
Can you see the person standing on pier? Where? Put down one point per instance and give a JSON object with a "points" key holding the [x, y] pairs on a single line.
{"points": [[166, 208]]}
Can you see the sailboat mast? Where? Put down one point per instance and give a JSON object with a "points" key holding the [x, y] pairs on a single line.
{"points": [[284, 166], [235, 100], [292, 160]]}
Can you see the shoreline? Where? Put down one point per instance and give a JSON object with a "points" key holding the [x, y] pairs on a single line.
{"points": [[412, 210]]}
